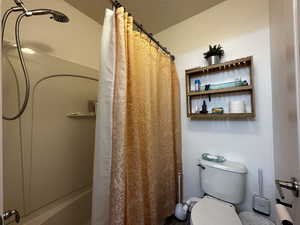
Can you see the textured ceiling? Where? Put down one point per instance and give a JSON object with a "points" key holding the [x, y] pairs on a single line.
{"points": [[155, 15]]}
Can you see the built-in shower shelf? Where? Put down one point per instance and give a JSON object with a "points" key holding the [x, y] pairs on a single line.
{"points": [[78, 115]]}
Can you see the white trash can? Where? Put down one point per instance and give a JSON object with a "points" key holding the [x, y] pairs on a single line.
{"points": [[251, 218]]}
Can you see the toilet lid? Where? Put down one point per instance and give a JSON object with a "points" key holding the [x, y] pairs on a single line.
{"points": [[210, 211]]}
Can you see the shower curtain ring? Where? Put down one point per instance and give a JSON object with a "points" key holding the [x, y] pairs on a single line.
{"points": [[150, 38], [118, 4]]}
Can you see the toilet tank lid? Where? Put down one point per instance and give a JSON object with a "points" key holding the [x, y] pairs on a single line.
{"points": [[234, 167]]}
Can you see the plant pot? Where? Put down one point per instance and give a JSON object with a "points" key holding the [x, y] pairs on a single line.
{"points": [[215, 59]]}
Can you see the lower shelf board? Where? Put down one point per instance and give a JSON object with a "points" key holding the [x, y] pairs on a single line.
{"points": [[225, 116]]}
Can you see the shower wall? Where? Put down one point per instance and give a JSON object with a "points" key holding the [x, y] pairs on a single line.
{"points": [[77, 41], [48, 157]]}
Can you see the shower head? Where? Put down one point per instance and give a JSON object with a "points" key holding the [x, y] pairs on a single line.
{"points": [[57, 16]]}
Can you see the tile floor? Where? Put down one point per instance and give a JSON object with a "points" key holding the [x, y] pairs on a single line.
{"points": [[174, 221]]}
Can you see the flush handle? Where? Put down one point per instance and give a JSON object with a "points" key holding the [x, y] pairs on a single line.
{"points": [[292, 185], [201, 166]]}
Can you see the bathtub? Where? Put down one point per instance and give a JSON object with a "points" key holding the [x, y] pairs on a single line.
{"points": [[74, 209]]}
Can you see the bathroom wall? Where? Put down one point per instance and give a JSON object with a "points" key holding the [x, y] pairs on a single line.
{"points": [[77, 41], [285, 84], [242, 28]]}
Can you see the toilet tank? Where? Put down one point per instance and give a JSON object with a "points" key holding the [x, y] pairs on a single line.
{"points": [[225, 181]]}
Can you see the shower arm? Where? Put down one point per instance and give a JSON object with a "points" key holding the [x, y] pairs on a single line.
{"points": [[20, 4], [20, 7]]}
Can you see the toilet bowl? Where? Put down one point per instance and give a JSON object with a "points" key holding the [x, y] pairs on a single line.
{"points": [[210, 211], [224, 186]]}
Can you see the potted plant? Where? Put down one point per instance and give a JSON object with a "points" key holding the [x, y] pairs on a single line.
{"points": [[214, 54]]}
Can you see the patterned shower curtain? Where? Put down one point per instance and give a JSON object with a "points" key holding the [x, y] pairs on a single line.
{"points": [[144, 126]]}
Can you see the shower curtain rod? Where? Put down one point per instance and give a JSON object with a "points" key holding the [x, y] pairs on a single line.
{"points": [[141, 28]]}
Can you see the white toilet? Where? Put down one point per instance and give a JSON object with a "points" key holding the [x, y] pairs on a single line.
{"points": [[224, 186]]}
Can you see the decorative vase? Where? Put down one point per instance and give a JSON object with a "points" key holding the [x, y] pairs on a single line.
{"points": [[215, 59]]}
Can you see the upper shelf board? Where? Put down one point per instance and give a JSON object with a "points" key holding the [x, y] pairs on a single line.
{"points": [[234, 64]]}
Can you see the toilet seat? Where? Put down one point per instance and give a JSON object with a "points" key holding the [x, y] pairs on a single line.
{"points": [[210, 211]]}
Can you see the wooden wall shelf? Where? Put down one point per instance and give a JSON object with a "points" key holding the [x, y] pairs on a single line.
{"points": [[234, 64], [213, 70], [221, 91], [225, 116]]}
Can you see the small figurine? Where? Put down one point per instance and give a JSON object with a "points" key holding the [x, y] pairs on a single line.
{"points": [[204, 108]]}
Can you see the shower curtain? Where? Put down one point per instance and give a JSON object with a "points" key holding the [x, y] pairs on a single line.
{"points": [[139, 136]]}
